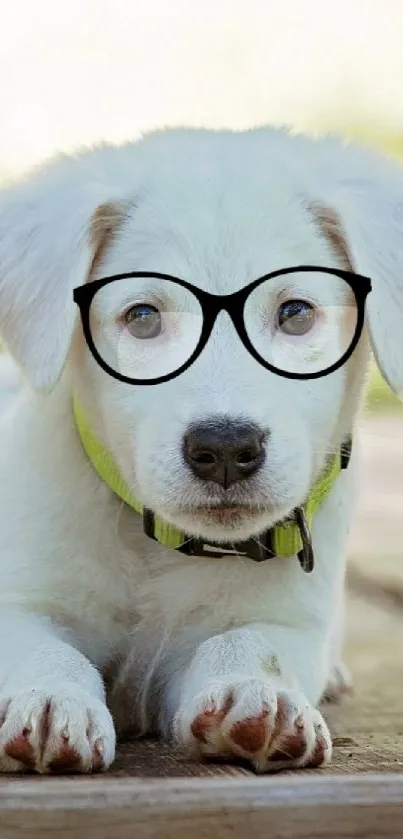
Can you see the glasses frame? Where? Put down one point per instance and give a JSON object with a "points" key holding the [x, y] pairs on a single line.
{"points": [[212, 305]]}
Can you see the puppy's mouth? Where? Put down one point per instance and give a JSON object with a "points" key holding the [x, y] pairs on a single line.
{"points": [[225, 518], [226, 512]]}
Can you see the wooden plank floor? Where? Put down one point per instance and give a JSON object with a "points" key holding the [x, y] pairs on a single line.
{"points": [[152, 792]]}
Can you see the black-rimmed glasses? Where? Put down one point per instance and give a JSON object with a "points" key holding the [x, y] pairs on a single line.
{"points": [[144, 328]]}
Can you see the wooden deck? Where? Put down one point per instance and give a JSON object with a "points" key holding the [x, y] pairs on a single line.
{"points": [[151, 793]]}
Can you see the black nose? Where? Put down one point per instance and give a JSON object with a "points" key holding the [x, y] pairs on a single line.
{"points": [[224, 451]]}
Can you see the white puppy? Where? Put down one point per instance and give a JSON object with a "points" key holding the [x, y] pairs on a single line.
{"points": [[228, 655]]}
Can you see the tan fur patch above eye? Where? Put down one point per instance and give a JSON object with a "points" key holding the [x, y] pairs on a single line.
{"points": [[105, 223], [331, 227]]}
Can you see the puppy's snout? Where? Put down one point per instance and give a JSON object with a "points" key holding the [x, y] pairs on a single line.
{"points": [[224, 450]]}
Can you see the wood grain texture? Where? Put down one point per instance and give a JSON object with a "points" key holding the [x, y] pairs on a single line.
{"points": [[299, 807]]}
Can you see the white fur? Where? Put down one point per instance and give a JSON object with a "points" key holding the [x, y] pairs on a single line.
{"points": [[82, 587]]}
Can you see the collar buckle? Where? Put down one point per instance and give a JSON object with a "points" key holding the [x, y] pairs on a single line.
{"points": [[306, 555], [251, 548], [345, 452]]}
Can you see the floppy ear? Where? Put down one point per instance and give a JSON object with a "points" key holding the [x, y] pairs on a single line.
{"points": [[52, 226], [367, 225]]}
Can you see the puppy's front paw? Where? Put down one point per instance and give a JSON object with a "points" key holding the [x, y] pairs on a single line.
{"points": [[59, 729], [272, 728]]}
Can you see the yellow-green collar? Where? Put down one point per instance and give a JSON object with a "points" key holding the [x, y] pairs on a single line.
{"points": [[286, 539]]}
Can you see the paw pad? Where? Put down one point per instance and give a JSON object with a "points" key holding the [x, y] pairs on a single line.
{"points": [[251, 734], [20, 749], [209, 719]]}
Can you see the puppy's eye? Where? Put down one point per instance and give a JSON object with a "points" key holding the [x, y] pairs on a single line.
{"points": [[143, 321], [295, 317]]}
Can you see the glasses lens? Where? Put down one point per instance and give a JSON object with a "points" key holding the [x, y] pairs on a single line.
{"points": [[302, 322], [144, 327]]}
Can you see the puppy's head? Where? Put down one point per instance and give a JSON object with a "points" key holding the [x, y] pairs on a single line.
{"points": [[227, 447]]}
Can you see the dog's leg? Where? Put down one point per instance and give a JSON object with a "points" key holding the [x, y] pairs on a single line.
{"points": [[251, 692], [53, 714], [339, 681]]}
